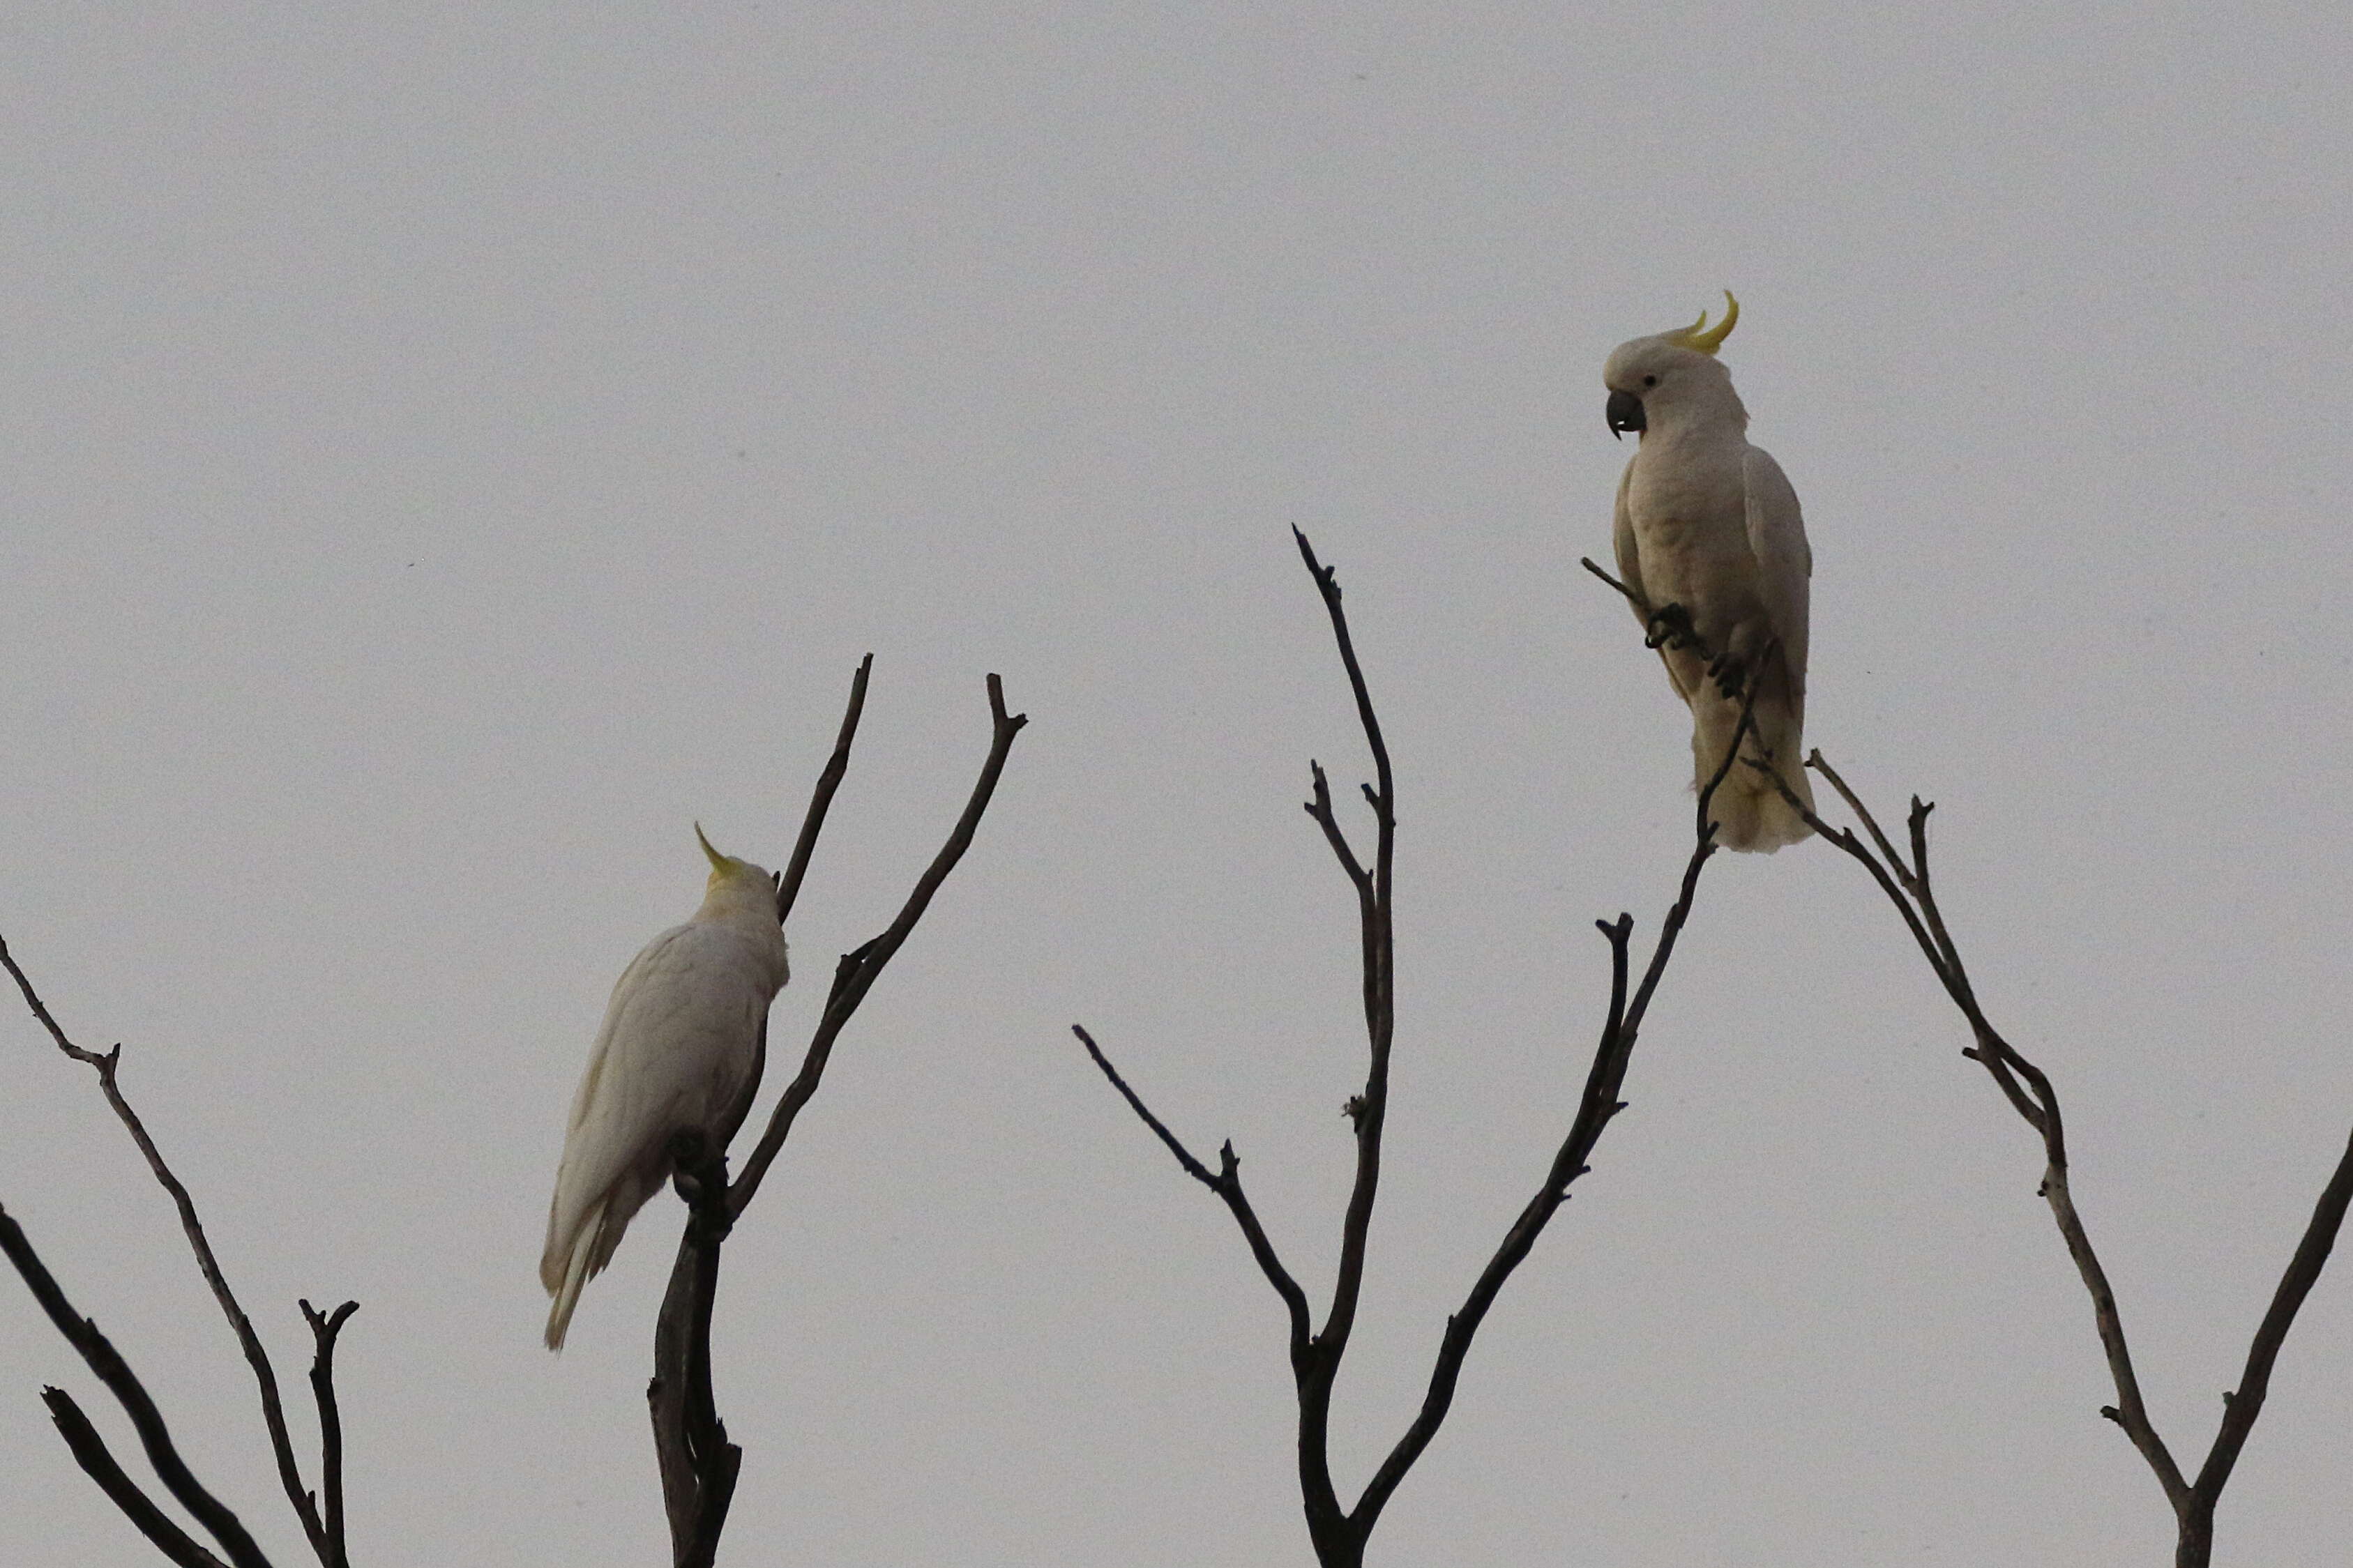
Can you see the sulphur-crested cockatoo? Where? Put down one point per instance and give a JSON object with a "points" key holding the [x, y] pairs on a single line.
{"points": [[681, 1051], [1711, 543]]}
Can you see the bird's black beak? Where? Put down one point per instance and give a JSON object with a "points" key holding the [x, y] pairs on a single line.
{"points": [[1624, 413]]}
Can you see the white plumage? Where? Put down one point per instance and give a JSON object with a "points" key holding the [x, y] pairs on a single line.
{"points": [[680, 1050], [1709, 537]]}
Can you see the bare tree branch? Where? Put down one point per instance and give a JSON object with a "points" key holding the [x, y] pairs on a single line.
{"points": [[2241, 1409], [154, 1436], [788, 886], [324, 1329], [1227, 1184], [699, 1465], [1340, 1534], [850, 989], [265, 1376], [2029, 1092], [1641, 605], [1337, 1537], [1598, 1106], [90, 1452]]}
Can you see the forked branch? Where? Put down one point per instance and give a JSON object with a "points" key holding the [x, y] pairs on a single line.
{"points": [[326, 1542], [146, 1420], [1339, 1534], [860, 968], [697, 1464], [1910, 887]]}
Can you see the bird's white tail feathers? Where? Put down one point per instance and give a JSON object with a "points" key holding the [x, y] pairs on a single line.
{"points": [[1748, 809], [582, 1262]]}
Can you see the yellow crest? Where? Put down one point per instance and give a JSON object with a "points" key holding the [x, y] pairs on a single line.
{"points": [[1704, 337], [718, 863]]}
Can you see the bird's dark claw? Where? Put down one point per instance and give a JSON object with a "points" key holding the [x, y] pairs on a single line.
{"points": [[1730, 675], [1670, 627]]}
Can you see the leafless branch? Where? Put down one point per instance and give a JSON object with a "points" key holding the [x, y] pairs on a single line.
{"points": [[789, 887], [90, 1452], [2311, 1255], [1641, 605], [2030, 1093], [257, 1357], [1597, 1107], [324, 1329], [699, 1465], [154, 1436], [850, 989], [1376, 936], [1227, 1184], [1340, 1534]]}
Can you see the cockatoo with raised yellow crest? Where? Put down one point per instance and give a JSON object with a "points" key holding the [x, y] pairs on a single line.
{"points": [[1711, 543], [681, 1051]]}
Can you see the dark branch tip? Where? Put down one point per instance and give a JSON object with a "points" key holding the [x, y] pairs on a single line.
{"points": [[2112, 1413]]}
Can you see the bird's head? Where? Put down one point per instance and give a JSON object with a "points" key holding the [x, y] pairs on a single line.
{"points": [[1650, 377], [732, 878]]}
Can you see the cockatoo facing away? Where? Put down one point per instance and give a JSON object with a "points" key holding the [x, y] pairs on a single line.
{"points": [[680, 1050], [1710, 540]]}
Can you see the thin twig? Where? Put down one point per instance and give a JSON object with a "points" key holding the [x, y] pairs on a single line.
{"points": [[1377, 941], [1597, 1108], [1193, 1167], [789, 887], [1820, 764], [2303, 1270], [112, 1370], [1227, 1184], [1319, 806], [1640, 606], [1911, 887], [90, 1452], [324, 1327], [1316, 1373], [265, 1376], [1338, 1535], [851, 987]]}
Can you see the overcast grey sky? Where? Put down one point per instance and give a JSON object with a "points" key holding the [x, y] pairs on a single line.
{"points": [[451, 448]]}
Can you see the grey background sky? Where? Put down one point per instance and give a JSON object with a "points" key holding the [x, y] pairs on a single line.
{"points": [[451, 449]]}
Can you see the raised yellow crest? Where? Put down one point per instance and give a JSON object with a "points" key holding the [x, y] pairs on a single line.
{"points": [[1704, 337]]}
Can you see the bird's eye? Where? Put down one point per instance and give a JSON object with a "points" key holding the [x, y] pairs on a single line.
{"points": [[1649, 381]]}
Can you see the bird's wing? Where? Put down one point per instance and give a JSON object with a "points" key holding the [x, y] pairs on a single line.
{"points": [[680, 1042], [681, 1037], [602, 1138], [725, 1135], [1629, 572], [1777, 537], [1630, 554], [654, 956]]}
